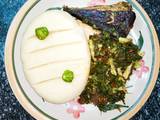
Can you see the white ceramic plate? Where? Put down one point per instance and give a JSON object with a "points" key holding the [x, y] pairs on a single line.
{"points": [[142, 80]]}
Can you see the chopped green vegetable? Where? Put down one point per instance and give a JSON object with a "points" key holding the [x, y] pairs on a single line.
{"points": [[124, 40], [68, 76], [137, 64], [119, 71], [128, 71], [110, 106], [113, 69], [92, 49], [41, 33], [141, 53], [112, 62]]}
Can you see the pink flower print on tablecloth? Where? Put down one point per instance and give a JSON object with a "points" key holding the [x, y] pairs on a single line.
{"points": [[96, 2], [143, 69], [75, 108]]}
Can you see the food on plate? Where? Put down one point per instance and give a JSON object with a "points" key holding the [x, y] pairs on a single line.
{"points": [[113, 61], [68, 76], [114, 56], [56, 57], [87, 56], [41, 33], [117, 19]]}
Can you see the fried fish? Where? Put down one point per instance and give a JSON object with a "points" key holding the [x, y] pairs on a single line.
{"points": [[117, 19]]}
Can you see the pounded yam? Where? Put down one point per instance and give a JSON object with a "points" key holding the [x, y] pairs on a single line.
{"points": [[44, 61]]}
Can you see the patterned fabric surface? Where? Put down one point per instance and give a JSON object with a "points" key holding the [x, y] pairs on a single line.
{"points": [[10, 109]]}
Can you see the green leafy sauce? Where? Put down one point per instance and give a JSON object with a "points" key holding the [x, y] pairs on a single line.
{"points": [[113, 60]]}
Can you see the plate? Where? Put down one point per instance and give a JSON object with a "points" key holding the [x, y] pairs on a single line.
{"points": [[142, 80]]}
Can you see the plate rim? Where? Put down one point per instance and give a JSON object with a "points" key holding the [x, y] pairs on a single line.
{"points": [[13, 79]]}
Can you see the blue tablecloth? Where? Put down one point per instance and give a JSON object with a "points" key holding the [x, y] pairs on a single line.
{"points": [[10, 109]]}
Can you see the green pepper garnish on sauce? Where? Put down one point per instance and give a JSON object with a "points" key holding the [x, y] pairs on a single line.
{"points": [[41, 33]]}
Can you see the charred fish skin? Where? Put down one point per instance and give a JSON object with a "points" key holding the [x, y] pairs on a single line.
{"points": [[116, 22], [120, 6]]}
